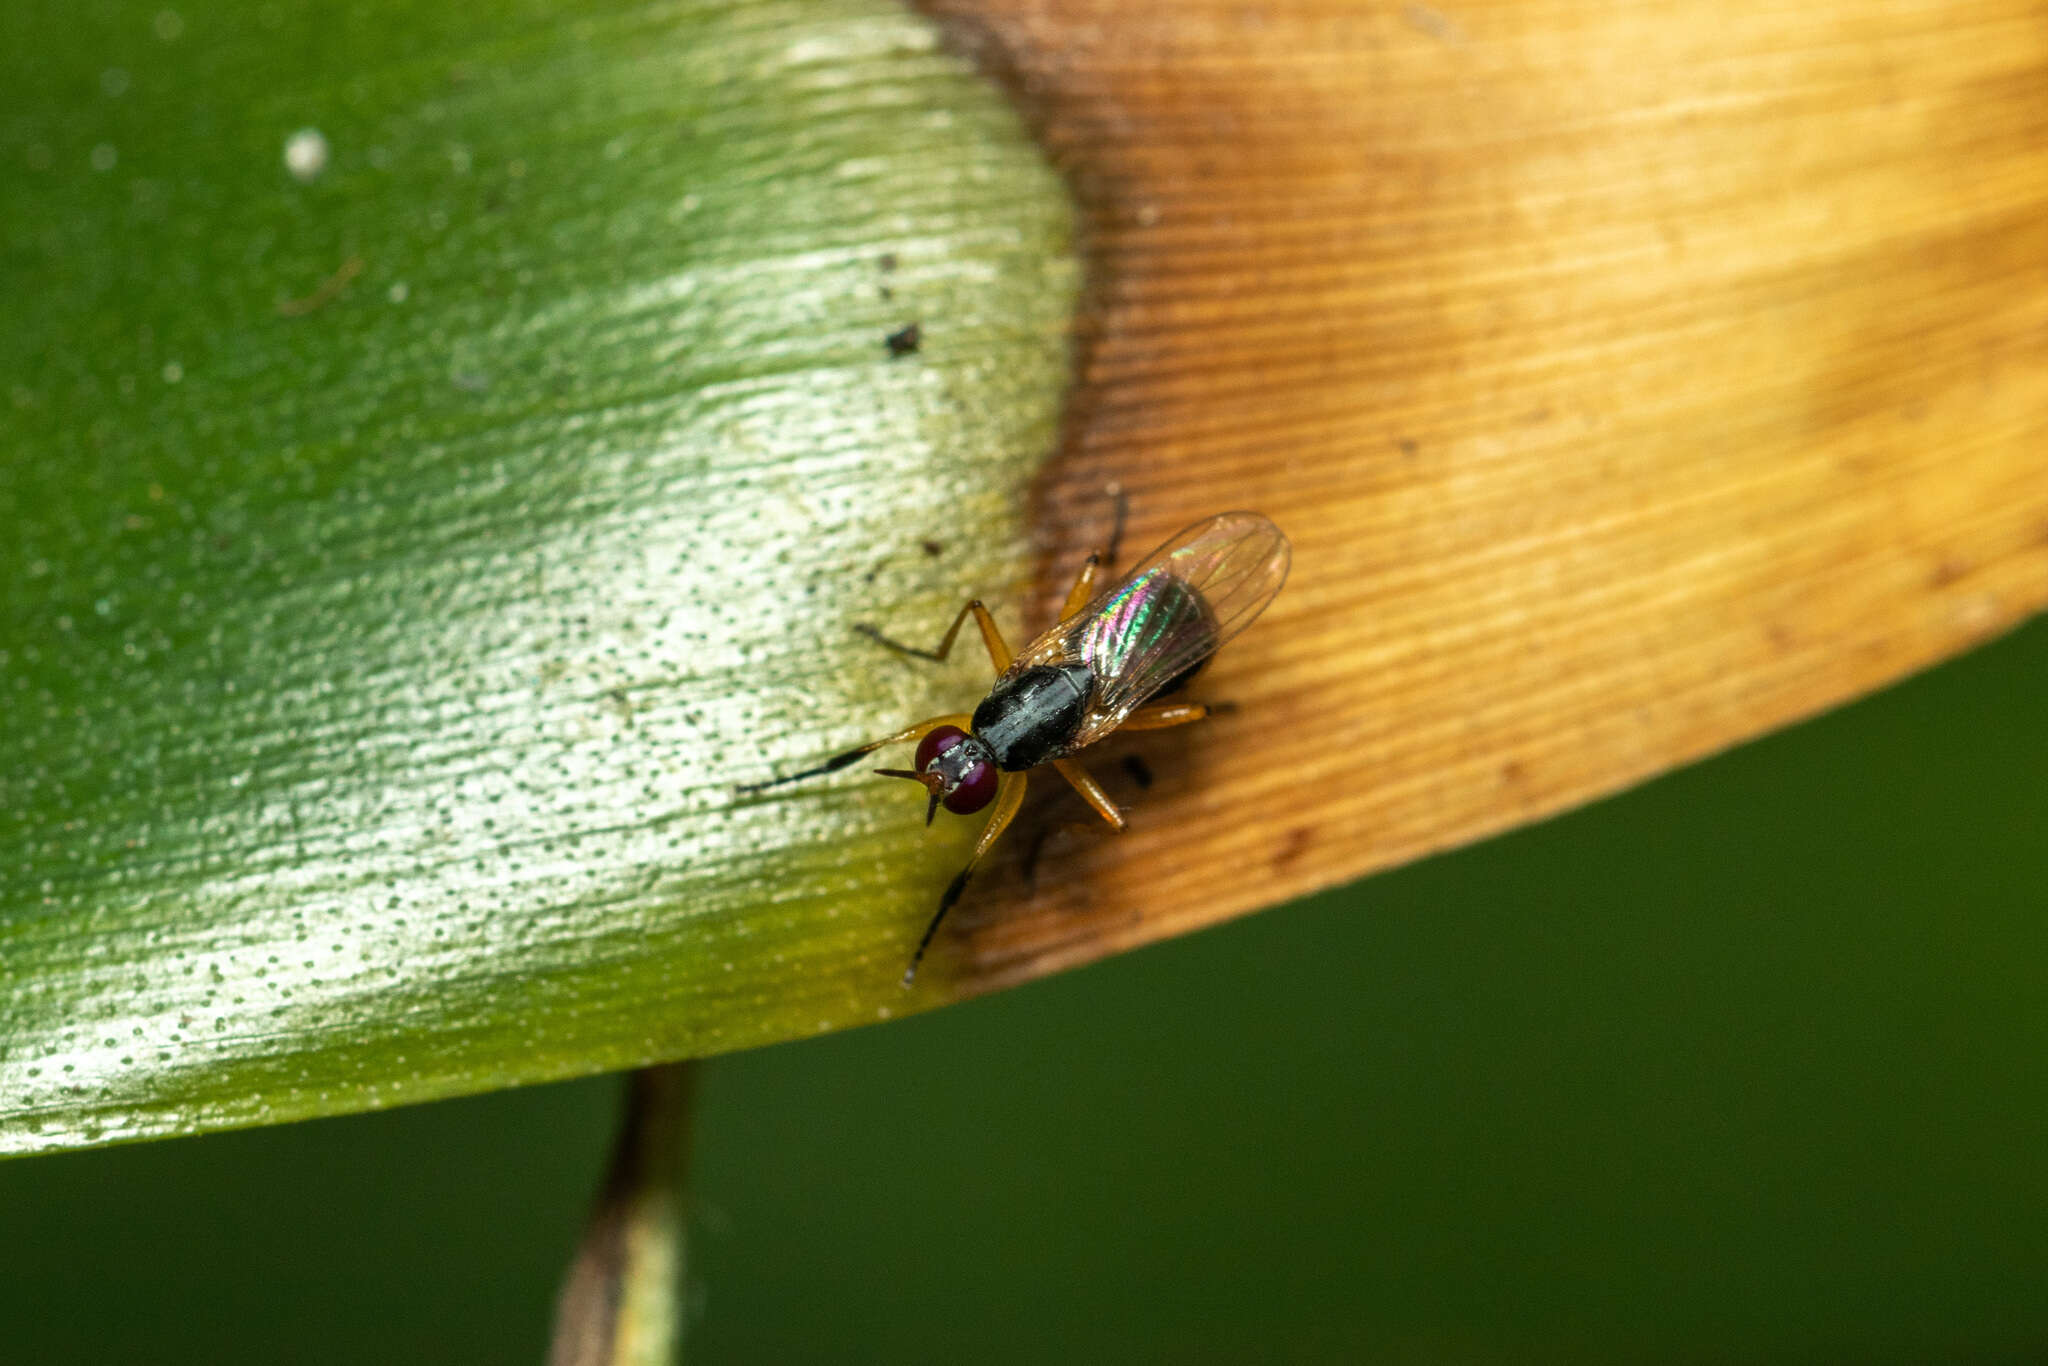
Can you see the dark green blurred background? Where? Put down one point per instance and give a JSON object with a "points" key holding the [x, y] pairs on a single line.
{"points": [[1752, 1063]]}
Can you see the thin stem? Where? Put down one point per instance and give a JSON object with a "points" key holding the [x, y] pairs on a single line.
{"points": [[621, 1300]]}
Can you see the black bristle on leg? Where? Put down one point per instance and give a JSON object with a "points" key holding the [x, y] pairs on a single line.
{"points": [[959, 885], [831, 765], [1116, 531]]}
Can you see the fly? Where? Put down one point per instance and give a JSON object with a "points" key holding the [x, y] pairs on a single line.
{"points": [[1093, 673]]}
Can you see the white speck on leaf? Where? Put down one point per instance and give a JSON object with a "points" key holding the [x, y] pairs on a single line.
{"points": [[305, 155]]}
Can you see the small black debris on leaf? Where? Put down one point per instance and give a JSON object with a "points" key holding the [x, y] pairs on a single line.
{"points": [[905, 340]]}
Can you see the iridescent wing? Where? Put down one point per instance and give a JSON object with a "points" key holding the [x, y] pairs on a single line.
{"points": [[1171, 612]]}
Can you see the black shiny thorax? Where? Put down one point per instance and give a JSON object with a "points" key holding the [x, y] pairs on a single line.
{"points": [[1033, 716]]}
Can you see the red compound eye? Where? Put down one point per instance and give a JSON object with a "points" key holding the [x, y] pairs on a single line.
{"points": [[976, 790], [937, 743], [968, 779]]}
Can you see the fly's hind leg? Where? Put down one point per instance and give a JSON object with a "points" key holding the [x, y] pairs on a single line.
{"points": [[1009, 796], [1160, 715], [1115, 490], [1084, 587], [839, 761], [1092, 567], [1091, 792], [991, 637]]}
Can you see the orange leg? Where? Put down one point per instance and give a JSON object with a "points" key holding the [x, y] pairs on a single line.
{"points": [[839, 761], [1091, 568], [1083, 589], [1091, 792], [1160, 715], [998, 650], [1009, 796]]}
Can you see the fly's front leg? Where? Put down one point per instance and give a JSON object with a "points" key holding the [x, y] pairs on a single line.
{"points": [[1009, 797], [839, 761], [1091, 792], [1163, 714], [991, 637]]}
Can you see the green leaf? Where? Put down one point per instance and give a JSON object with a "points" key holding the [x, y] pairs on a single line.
{"points": [[446, 449]]}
